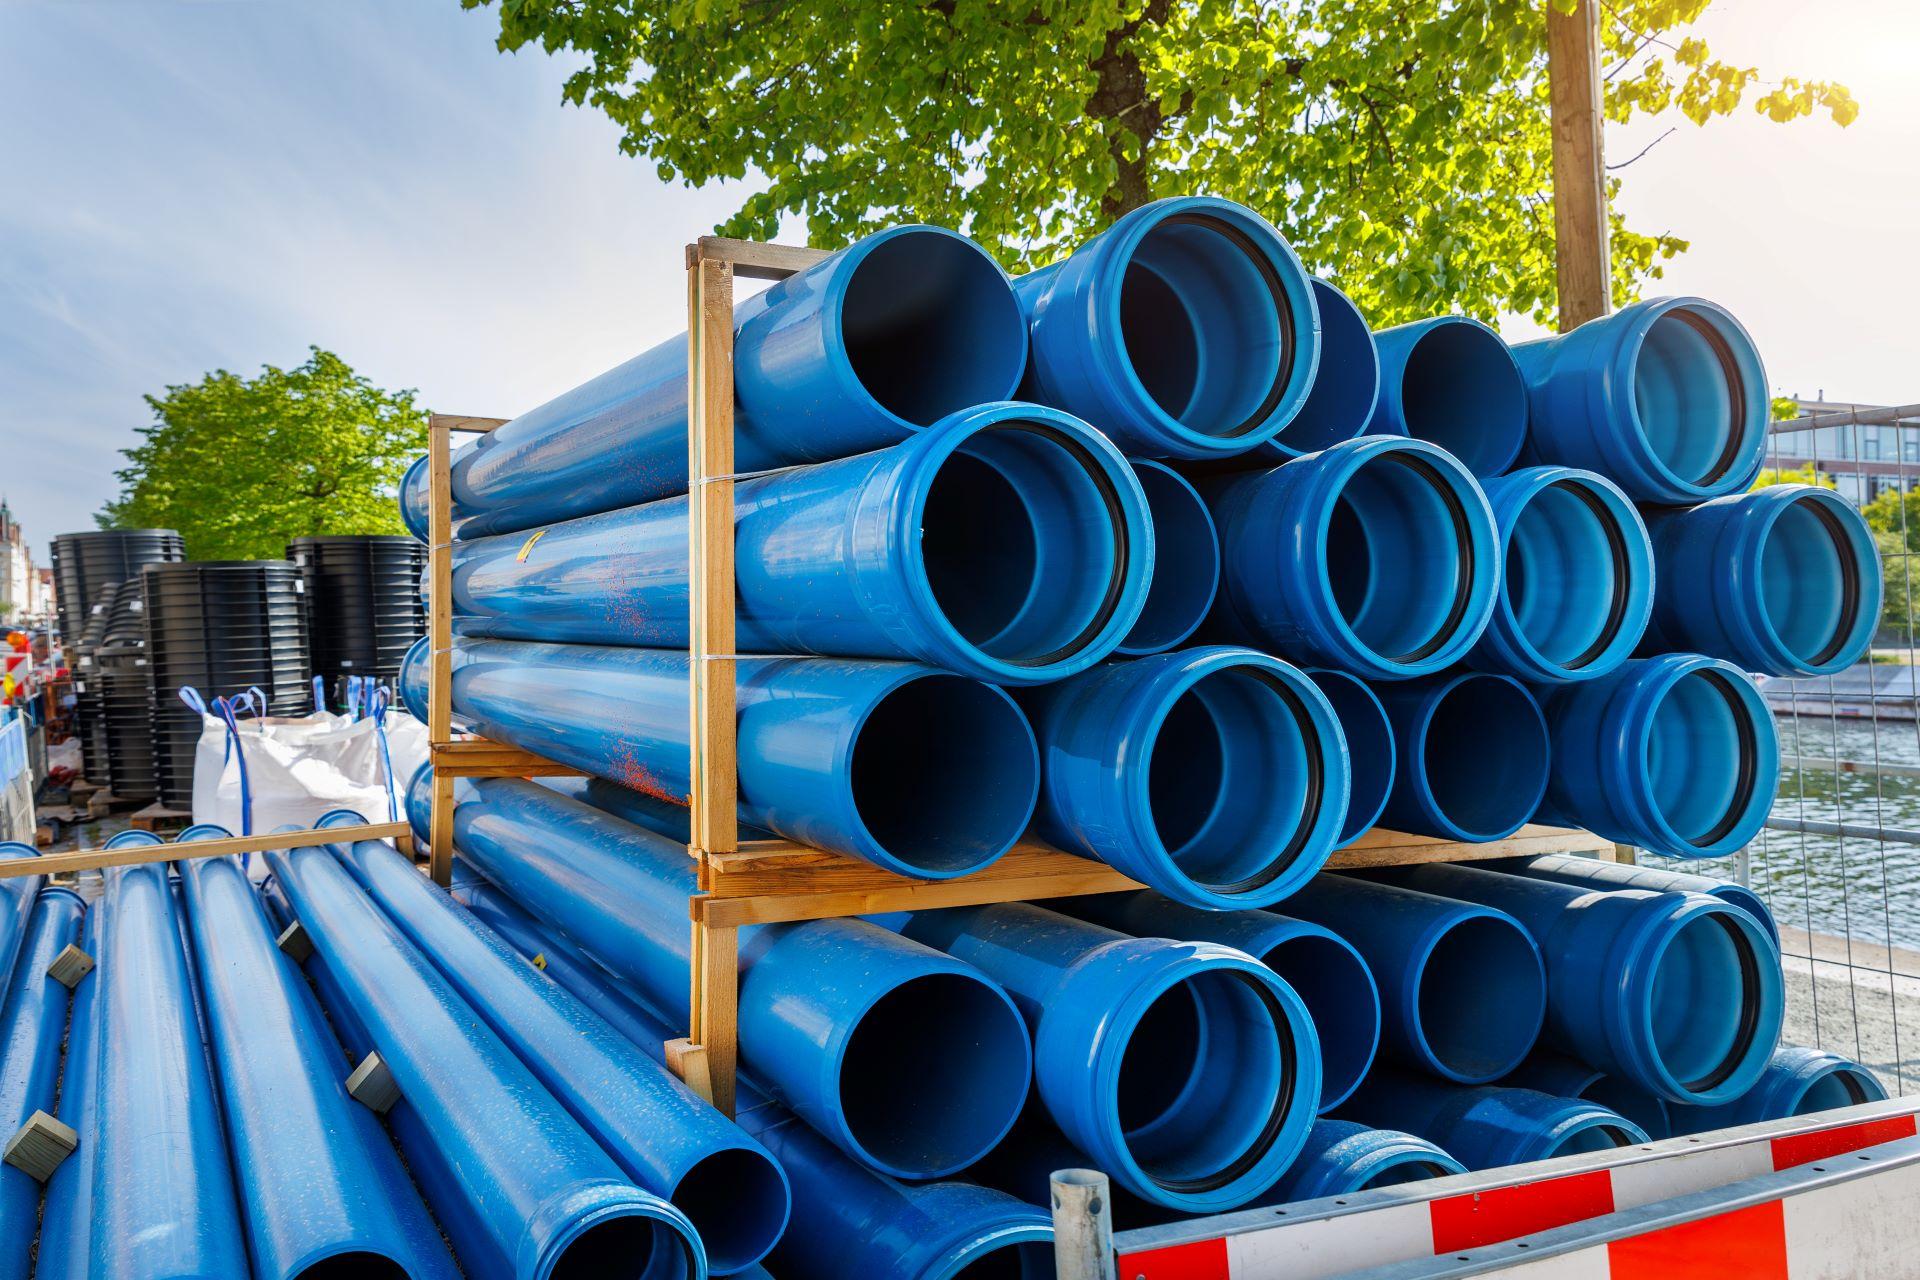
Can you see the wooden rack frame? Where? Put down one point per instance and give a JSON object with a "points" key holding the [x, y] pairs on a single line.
{"points": [[771, 881], [49, 864]]}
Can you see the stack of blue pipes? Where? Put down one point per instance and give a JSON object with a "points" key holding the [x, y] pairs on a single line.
{"points": [[1158, 556]]}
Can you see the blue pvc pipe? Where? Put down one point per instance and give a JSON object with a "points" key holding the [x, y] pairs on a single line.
{"points": [[1785, 581], [881, 339], [1797, 1082], [832, 752], [163, 1201], [1378, 556], [1577, 585], [521, 1189], [1463, 991], [1186, 562], [1594, 873], [322, 1189], [33, 1020], [1369, 737], [1187, 329], [16, 907], [1453, 382], [1008, 542], [1666, 398], [1324, 970], [910, 1062], [1188, 1071], [1345, 388], [1678, 994], [848, 1220], [1490, 1127], [1471, 756], [1676, 755], [664, 1136], [1216, 775], [66, 1218], [1549, 1072], [1342, 1157]]}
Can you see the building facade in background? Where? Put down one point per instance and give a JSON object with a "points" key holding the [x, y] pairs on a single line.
{"points": [[19, 584], [1863, 461]]}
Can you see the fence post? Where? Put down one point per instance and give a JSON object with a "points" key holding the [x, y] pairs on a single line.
{"points": [[1082, 1225]]}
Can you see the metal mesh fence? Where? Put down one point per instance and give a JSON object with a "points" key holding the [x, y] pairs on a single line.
{"points": [[1839, 861]]}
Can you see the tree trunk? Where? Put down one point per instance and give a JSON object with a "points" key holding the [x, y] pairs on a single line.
{"points": [[1120, 94]]}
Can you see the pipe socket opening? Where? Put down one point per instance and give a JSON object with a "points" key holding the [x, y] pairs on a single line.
{"points": [[1702, 1006], [1206, 325], [1369, 735], [737, 1200], [1399, 557], [1025, 544], [354, 1266], [1236, 778], [1842, 1086], [1333, 982], [1566, 575], [1027, 1260], [1460, 389], [1692, 397], [1701, 758], [1639, 1106], [934, 1074], [1481, 995], [1206, 1081], [1345, 386], [1815, 571], [1483, 757], [1186, 563], [1595, 1133], [931, 326], [1400, 1172], [629, 1247], [945, 774]]}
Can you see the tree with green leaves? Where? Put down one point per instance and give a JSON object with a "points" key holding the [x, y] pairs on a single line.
{"points": [[1402, 146], [1808, 474], [241, 466]]}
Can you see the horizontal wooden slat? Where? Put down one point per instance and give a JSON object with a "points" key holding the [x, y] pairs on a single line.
{"points": [[770, 881], [462, 422], [135, 855], [752, 260], [481, 758]]}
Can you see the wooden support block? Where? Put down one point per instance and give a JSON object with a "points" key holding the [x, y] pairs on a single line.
{"points": [[42, 1143], [372, 1085], [689, 1061], [71, 965], [296, 942]]}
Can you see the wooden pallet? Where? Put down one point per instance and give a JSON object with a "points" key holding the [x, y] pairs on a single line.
{"points": [[160, 820], [764, 882]]}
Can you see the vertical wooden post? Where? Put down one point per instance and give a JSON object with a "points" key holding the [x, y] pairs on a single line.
{"points": [[1579, 165], [715, 820], [440, 641]]}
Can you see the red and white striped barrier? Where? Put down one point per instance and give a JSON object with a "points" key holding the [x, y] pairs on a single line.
{"points": [[1446, 1216]]}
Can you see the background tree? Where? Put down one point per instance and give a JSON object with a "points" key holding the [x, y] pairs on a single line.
{"points": [[1402, 146], [240, 466]]}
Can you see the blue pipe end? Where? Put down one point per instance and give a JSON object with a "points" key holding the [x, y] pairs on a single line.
{"points": [[1370, 754], [1453, 382], [132, 840], [1557, 1074], [1338, 989], [1186, 562], [1472, 756], [1341, 1158], [203, 831], [596, 1229], [1578, 583], [1478, 997], [1345, 388], [413, 499]]}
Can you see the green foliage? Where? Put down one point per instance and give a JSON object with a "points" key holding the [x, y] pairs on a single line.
{"points": [[1403, 146], [1895, 519], [240, 466], [1808, 474]]}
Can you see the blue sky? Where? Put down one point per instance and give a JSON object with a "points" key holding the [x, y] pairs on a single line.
{"points": [[193, 185]]}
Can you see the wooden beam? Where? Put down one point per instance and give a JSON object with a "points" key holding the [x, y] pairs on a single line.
{"points": [[71, 965], [483, 758], [753, 260], [715, 822], [463, 422], [1581, 264], [39, 1147], [50, 864]]}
